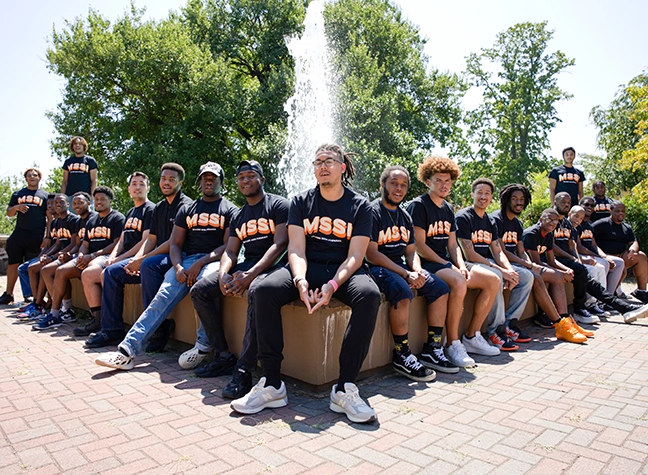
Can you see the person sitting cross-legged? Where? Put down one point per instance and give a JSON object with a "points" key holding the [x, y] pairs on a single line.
{"points": [[196, 244], [397, 270]]}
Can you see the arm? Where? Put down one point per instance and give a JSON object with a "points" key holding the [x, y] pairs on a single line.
{"points": [[176, 241], [456, 256], [93, 180], [228, 260], [378, 258], [243, 280], [147, 249], [357, 250], [423, 249], [193, 271], [64, 182], [552, 189], [299, 265], [580, 190], [568, 274]]}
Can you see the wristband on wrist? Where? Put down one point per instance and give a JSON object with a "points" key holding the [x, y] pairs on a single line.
{"points": [[333, 284], [297, 280]]}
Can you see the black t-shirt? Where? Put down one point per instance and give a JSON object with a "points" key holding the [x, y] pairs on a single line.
{"points": [[101, 232], [78, 169], [585, 233], [611, 237], [63, 229], [330, 225], [82, 223], [255, 225], [567, 179], [438, 222], [601, 208], [563, 234], [534, 241], [35, 218], [480, 230], [164, 216], [205, 222], [392, 230], [509, 230], [138, 220]]}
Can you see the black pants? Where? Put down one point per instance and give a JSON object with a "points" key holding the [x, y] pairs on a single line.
{"points": [[359, 292], [585, 284]]}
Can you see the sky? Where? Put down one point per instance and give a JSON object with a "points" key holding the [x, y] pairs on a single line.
{"points": [[604, 37]]}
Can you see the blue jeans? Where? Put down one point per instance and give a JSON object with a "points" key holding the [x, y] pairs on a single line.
{"points": [[23, 276], [396, 288], [169, 295], [152, 273], [501, 313], [112, 295]]}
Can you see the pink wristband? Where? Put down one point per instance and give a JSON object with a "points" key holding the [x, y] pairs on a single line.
{"points": [[333, 284]]}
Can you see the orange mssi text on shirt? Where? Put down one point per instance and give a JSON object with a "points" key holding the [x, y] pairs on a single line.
{"points": [[326, 225]]}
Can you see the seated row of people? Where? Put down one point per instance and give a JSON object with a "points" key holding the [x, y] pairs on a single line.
{"points": [[328, 232]]}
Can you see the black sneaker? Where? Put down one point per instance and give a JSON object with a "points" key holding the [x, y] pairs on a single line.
{"points": [[105, 338], [68, 316], [433, 357], [6, 299], [160, 338], [610, 309], [542, 320], [641, 295], [239, 385], [408, 366], [92, 326], [513, 332], [219, 366]]}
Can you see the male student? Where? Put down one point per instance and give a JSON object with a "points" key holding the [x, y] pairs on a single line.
{"points": [[566, 177], [197, 242]]}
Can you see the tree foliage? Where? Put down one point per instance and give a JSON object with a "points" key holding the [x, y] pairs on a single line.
{"points": [[8, 185], [618, 132], [391, 107], [203, 85], [519, 79]]}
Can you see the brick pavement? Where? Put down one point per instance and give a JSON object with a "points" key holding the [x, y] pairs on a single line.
{"points": [[550, 408]]}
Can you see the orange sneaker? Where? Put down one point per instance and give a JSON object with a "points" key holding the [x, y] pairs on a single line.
{"points": [[568, 332], [587, 333]]}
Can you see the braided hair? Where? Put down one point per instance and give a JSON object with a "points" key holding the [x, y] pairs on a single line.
{"points": [[344, 157], [507, 191]]}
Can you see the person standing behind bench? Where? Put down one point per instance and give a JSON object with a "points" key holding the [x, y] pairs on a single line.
{"points": [[566, 177], [328, 228], [147, 266], [79, 170], [396, 268], [260, 226], [24, 244], [197, 229]]}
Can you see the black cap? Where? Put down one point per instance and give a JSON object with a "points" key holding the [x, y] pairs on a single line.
{"points": [[246, 165]]}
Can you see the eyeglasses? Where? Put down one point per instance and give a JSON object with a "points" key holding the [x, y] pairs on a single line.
{"points": [[587, 205], [328, 163]]}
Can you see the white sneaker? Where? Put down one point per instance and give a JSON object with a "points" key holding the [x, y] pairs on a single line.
{"points": [[261, 397], [479, 346], [583, 316], [631, 316], [351, 404], [115, 360], [191, 358], [457, 355]]}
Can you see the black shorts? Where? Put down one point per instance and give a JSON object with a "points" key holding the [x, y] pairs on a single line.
{"points": [[23, 245], [434, 267]]}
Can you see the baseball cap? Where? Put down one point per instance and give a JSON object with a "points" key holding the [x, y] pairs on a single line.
{"points": [[246, 165], [211, 167]]}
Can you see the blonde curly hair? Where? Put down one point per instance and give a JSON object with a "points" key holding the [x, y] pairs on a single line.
{"points": [[432, 165]]}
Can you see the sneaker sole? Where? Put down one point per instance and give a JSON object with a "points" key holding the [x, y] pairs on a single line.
{"points": [[269, 405], [482, 352], [420, 379], [440, 369], [340, 410], [51, 327], [571, 341], [125, 367], [639, 313]]}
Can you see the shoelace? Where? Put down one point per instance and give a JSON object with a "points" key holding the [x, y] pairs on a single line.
{"points": [[438, 352], [412, 362]]}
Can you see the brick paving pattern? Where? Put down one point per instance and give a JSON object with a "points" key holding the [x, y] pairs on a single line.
{"points": [[549, 408]]}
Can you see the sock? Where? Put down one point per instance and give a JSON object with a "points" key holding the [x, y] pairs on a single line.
{"points": [[66, 305], [434, 335], [562, 315], [123, 351], [96, 312], [55, 313], [273, 380], [401, 344], [468, 337], [341, 383]]}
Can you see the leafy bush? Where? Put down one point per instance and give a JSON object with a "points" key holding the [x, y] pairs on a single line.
{"points": [[539, 184]]}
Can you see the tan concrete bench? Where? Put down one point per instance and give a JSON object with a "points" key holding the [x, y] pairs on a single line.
{"points": [[311, 342]]}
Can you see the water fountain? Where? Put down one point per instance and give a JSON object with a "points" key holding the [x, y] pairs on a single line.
{"points": [[309, 109]]}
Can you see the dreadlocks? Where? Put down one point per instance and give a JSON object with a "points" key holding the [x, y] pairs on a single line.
{"points": [[507, 191], [344, 157]]}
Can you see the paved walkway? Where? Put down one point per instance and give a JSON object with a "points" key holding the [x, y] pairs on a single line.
{"points": [[549, 408]]}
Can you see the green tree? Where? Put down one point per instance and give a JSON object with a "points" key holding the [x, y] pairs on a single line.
{"points": [[519, 79], [8, 185], [391, 107], [54, 180], [618, 132]]}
